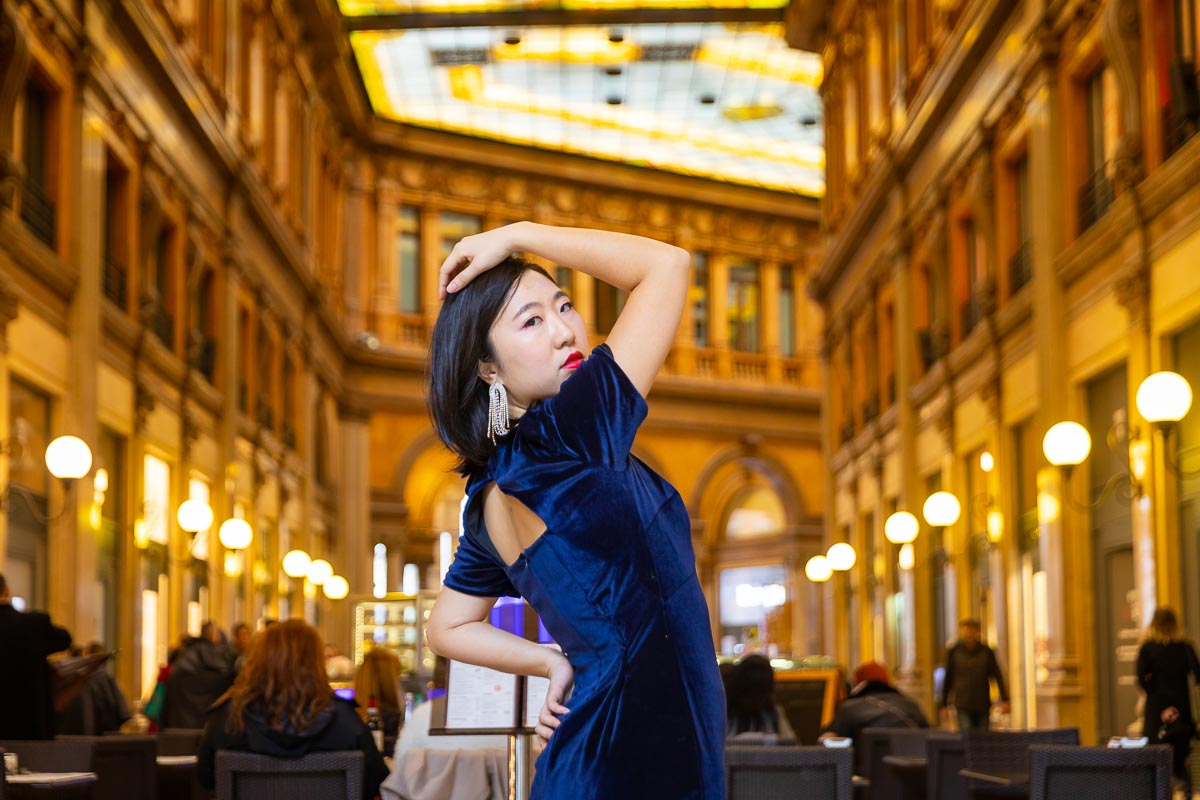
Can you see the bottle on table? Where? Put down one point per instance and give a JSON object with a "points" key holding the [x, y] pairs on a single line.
{"points": [[374, 723], [139, 723]]}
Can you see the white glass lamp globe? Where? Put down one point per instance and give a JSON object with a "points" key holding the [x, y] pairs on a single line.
{"points": [[1066, 444], [987, 462], [818, 570], [296, 564], [336, 587], [907, 558], [841, 556], [901, 528], [319, 571], [194, 515], [235, 534], [1164, 397], [941, 509], [68, 458]]}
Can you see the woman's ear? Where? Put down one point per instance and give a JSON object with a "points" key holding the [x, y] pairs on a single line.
{"points": [[487, 372]]}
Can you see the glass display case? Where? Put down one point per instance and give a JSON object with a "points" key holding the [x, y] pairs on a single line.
{"points": [[396, 622]]}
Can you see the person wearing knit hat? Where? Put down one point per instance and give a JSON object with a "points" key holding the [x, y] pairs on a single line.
{"points": [[874, 703]]}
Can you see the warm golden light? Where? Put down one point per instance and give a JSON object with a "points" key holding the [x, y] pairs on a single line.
{"points": [[235, 534], [995, 526], [336, 587], [296, 564], [841, 557], [941, 509], [987, 462], [1164, 398], [68, 458], [233, 564], [908, 557], [901, 528], [194, 515], [319, 571], [1066, 444], [818, 570]]}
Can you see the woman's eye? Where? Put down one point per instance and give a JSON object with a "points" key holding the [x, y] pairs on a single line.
{"points": [[532, 321], [567, 306]]}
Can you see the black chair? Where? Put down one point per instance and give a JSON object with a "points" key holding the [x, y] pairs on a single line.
{"points": [[49, 755], [3, 778], [947, 757], [316, 776], [1007, 753], [875, 743], [124, 765], [1096, 773], [766, 773]]}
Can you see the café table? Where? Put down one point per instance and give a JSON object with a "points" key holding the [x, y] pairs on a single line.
{"points": [[998, 783], [51, 785], [912, 773]]}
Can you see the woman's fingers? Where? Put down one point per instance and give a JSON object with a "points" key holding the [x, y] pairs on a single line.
{"points": [[547, 718]]}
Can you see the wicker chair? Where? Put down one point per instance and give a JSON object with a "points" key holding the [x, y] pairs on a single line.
{"points": [[316, 776], [124, 765], [875, 743], [947, 757], [995, 752], [766, 773], [1071, 773]]}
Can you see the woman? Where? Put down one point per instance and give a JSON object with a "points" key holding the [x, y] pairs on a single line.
{"points": [[752, 710], [281, 705], [379, 676], [1164, 662], [559, 512]]}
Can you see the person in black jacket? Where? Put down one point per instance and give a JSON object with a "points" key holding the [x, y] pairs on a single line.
{"points": [[874, 703], [1164, 662], [201, 674], [970, 667], [26, 687], [281, 705]]}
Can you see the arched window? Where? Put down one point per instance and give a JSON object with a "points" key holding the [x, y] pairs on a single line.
{"points": [[754, 510]]}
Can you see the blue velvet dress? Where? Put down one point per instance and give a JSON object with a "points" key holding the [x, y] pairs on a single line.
{"points": [[614, 580]]}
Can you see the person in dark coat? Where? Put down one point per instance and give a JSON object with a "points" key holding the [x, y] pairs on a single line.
{"points": [[970, 667], [874, 703], [282, 705], [201, 674], [1164, 662], [26, 686], [98, 708]]}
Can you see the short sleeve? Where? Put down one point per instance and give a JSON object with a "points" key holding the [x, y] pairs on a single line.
{"points": [[596, 413], [476, 572]]}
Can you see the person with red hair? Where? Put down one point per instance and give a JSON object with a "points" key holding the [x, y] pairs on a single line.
{"points": [[874, 703], [281, 705]]}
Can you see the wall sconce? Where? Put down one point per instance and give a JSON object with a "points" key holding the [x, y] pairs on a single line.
{"points": [[941, 510], [319, 571], [901, 528], [336, 587], [817, 569], [841, 557], [194, 516], [67, 458], [296, 564], [235, 534]]}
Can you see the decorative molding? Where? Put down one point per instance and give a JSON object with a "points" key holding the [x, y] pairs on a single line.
{"points": [[144, 404], [8, 312]]}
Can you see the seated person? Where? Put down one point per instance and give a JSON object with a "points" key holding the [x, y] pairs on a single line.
{"points": [[281, 705], [873, 703], [379, 677], [752, 714]]}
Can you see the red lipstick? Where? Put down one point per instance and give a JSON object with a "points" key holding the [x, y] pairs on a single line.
{"points": [[573, 361]]}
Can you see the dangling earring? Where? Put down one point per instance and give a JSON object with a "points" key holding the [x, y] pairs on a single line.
{"points": [[497, 419]]}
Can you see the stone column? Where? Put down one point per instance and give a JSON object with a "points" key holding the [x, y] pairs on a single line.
{"points": [[1058, 696], [74, 588], [8, 312], [354, 514], [431, 260], [359, 309], [718, 276], [769, 319], [222, 591]]}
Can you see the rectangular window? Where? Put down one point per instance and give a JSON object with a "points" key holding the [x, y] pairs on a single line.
{"points": [[453, 227], [1020, 263], [408, 260], [37, 203], [29, 421], [787, 313], [970, 308], [164, 284], [116, 256], [156, 499], [1096, 194], [244, 345], [699, 298], [204, 323], [565, 278], [743, 306], [609, 300], [289, 402]]}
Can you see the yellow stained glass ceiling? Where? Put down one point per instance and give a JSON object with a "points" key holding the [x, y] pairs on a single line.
{"points": [[725, 101], [361, 8]]}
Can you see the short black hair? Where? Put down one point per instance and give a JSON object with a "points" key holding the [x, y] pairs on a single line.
{"points": [[456, 395]]}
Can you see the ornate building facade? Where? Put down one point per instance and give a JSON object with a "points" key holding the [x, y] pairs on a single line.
{"points": [[1011, 239], [217, 268]]}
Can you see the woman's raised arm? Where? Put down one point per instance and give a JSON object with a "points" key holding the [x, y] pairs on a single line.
{"points": [[654, 273]]}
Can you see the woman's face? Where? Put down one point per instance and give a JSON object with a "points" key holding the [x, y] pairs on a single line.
{"points": [[538, 339]]}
